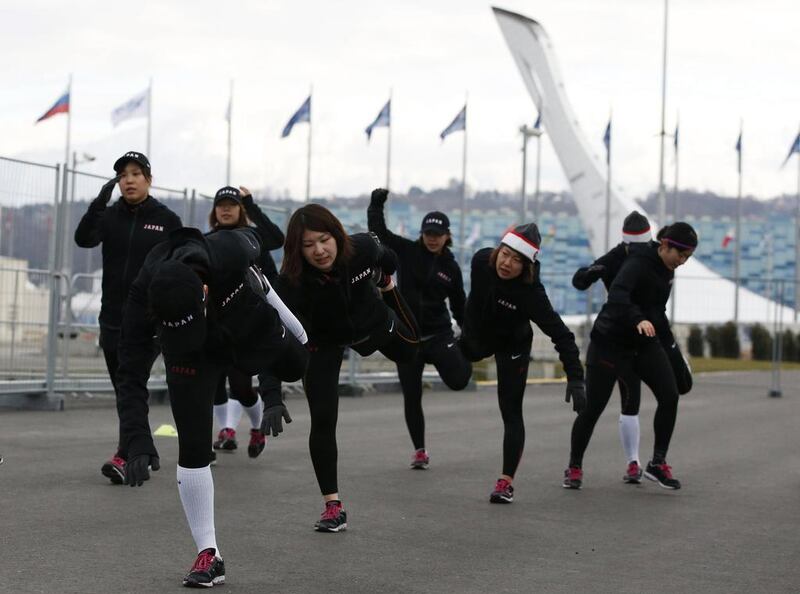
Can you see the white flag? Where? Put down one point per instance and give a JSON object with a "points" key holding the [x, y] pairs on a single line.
{"points": [[136, 107]]}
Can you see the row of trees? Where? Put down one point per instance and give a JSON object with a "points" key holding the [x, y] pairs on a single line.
{"points": [[723, 341]]}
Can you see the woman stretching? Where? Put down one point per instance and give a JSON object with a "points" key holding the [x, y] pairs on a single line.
{"points": [[505, 297], [340, 287]]}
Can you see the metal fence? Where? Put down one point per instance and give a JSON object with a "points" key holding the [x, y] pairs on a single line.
{"points": [[50, 290]]}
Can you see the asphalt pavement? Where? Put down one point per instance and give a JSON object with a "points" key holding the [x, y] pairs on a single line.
{"points": [[732, 528]]}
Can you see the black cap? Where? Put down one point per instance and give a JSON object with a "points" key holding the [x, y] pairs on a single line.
{"points": [[177, 299], [139, 158], [524, 239], [228, 193], [435, 222], [636, 228]]}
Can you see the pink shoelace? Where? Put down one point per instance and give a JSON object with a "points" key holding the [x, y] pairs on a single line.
{"points": [[502, 485], [331, 511], [204, 560]]}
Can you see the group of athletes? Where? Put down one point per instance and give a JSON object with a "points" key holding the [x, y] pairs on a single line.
{"points": [[218, 310]]}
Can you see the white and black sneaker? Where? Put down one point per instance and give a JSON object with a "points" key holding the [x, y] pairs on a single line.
{"points": [[333, 519], [208, 570], [662, 474]]}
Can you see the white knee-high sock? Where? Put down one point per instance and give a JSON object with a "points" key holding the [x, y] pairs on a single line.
{"points": [[255, 413], [196, 489], [629, 436], [221, 414], [234, 413]]}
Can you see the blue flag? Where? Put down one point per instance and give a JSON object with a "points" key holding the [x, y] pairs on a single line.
{"points": [[794, 149], [538, 123], [384, 119], [459, 123], [607, 141], [739, 153], [301, 115]]}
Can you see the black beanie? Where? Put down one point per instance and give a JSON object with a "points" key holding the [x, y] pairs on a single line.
{"points": [[636, 228], [681, 235], [524, 239]]}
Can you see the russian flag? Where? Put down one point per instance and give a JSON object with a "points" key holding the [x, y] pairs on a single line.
{"points": [[60, 106]]}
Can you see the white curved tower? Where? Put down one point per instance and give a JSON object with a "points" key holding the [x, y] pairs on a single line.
{"points": [[701, 295]]}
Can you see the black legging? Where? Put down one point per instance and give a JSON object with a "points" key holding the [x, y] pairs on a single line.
{"points": [[321, 386], [605, 365], [241, 388], [192, 381], [109, 342], [512, 377], [455, 370]]}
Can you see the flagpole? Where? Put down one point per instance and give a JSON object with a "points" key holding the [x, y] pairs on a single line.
{"points": [[676, 210], [608, 185], [69, 121], [230, 117], [538, 176], [738, 237], [389, 143], [149, 115], [308, 156], [675, 207], [797, 243], [662, 199], [463, 189]]}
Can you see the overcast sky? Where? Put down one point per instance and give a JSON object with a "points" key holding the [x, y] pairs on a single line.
{"points": [[727, 60]]}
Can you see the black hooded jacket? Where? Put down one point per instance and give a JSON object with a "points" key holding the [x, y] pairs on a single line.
{"points": [[499, 313], [639, 292], [127, 234], [222, 260], [342, 306], [425, 279]]}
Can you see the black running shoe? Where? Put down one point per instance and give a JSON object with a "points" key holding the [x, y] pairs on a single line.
{"points": [[334, 518], [257, 443], [226, 440], [114, 470], [421, 460], [208, 569], [573, 478], [503, 492], [633, 476], [662, 474]]}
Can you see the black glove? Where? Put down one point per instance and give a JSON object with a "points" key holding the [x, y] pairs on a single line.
{"points": [[273, 417], [107, 190], [680, 369], [137, 469], [595, 272], [379, 196], [576, 389]]}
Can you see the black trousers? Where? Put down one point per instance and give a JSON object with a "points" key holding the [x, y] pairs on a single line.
{"points": [[453, 367], [193, 381], [606, 365], [321, 384], [109, 342]]}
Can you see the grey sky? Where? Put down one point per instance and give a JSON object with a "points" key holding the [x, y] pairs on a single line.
{"points": [[738, 58]]}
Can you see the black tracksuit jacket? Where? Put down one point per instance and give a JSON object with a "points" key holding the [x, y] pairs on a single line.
{"points": [[342, 306], [425, 279], [639, 292], [612, 261], [127, 234], [499, 313], [269, 233]]}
